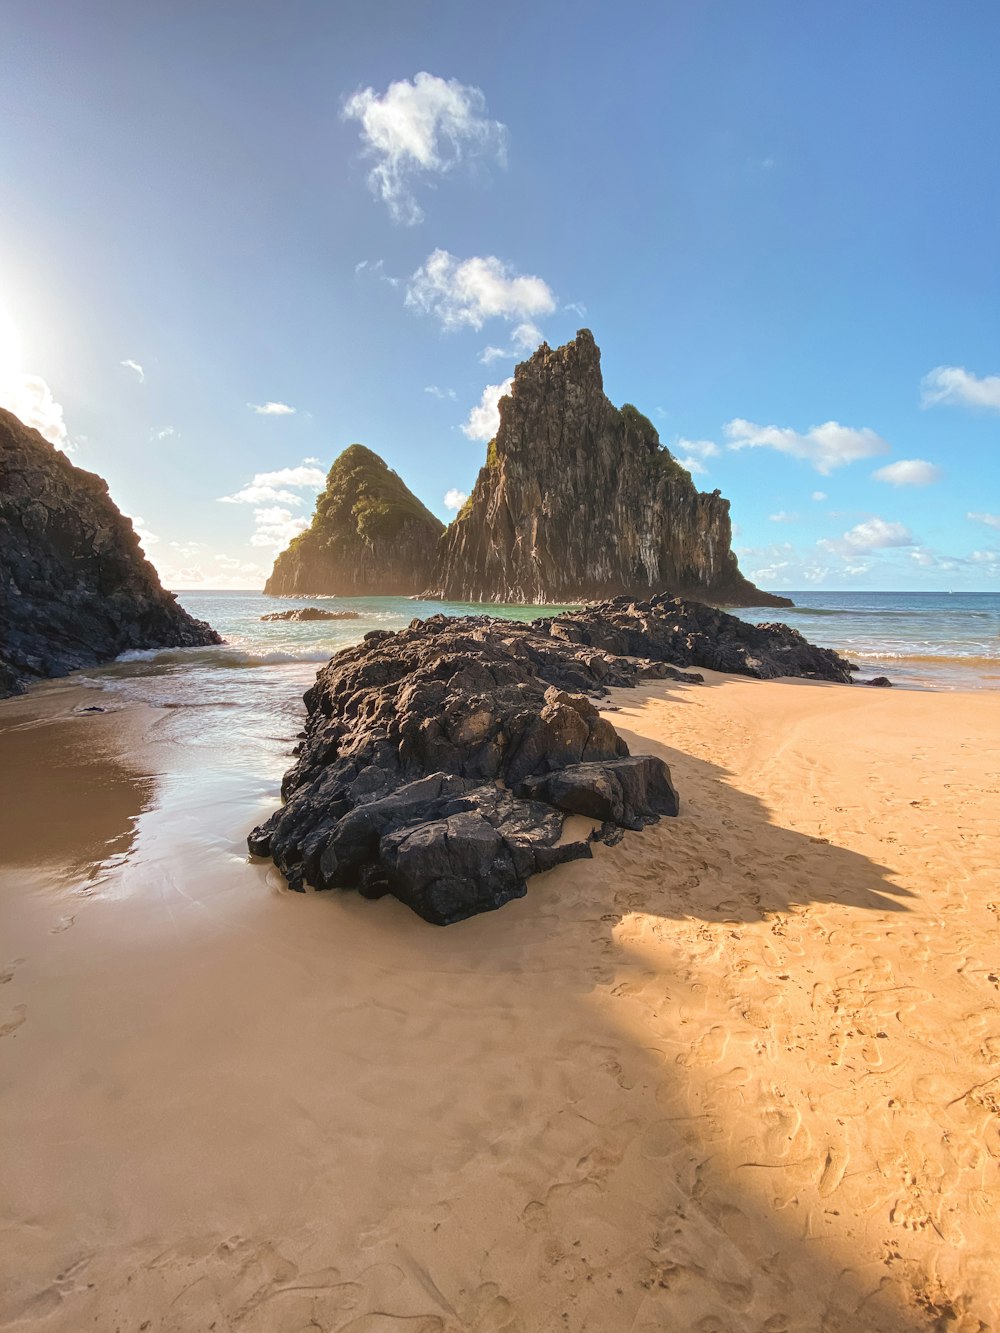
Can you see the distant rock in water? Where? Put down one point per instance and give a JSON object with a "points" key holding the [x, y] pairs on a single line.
{"points": [[579, 501], [75, 587], [439, 763], [311, 613], [370, 535]]}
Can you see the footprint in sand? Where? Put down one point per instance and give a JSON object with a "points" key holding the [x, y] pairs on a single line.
{"points": [[7, 973], [62, 924], [707, 1050], [20, 1013]]}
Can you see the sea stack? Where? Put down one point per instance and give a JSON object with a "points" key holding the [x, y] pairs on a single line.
{"points": [[370, 535], [579, 501], [75, 587]]}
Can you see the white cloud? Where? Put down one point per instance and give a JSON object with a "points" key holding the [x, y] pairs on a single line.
{"points": [[693, 453], [454, 499], [436, 392], [782, 517], [991, 520], [146, 538], [484, 419], [28, 396], [129, 364], [820, 495], [272, 409], [874, 534], [960, 387], [468, 292], [166, 433], [525, 338], [30, 399], [576, 308], [826, 447], [415, 131], [274, 486], [276, 527], [908, 472]]}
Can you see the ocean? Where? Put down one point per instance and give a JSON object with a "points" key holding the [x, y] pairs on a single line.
{"points": [[930, 640]]}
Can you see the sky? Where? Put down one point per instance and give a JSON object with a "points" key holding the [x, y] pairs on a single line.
{"points": [[237, 237]]}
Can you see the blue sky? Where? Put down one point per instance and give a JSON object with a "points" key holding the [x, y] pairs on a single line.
{"points": [[779, 220]]}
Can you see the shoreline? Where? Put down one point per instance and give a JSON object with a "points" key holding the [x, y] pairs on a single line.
{"points": [[738, 1067]]}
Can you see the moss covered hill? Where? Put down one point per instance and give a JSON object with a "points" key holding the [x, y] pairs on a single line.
{"points": [[579, 501], [370, 535]]}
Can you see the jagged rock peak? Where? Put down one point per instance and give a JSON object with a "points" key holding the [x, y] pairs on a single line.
{"points": [[370, 535], [579, 501], [75, 587]]}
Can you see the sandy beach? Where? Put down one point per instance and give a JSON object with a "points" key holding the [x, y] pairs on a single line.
{"points": [[738, 1074]]}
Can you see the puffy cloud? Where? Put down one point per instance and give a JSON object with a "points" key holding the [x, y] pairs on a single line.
{"points": [[129, 364], [28, 396], [484, 419], [454, 499], [826, 447], [693, 453], [820, 495], [273, 486], [273, 492], [166, 433], [436, 392], [468, 292], [908, 472], [874, 534], [270, 409], [147, 539], [415, 131], [276, 527], [960, 388], [525, 338], [991, 520], [782, 517]]}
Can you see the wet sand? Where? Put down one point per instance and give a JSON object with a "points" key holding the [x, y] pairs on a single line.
{"points": [[739, 1073]]}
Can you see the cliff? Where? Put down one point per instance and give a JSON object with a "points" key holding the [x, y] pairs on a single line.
{"points": [[370, 535], [75, 587], [579, 501]]}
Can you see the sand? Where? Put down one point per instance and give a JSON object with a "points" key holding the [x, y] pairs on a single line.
{"points": [[740, 1072]]}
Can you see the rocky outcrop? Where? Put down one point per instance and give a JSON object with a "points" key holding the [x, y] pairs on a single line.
{"points": [[370, 536], [438, 763], [312, 613], [691, 634], [579, 501], [75, 587]]}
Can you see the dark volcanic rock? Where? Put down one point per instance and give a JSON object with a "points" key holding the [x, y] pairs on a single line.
{"points": [[691, 634], [881, 682], [423, 765], [438, 763], [370, 535], [579, 500], [311, 613], [75, 587]]}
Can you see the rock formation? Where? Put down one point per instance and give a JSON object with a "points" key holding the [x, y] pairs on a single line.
{"points": [[370, 535], [685, 634], [312, 613], [579, 501], [75, 587], [438, 763]]}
